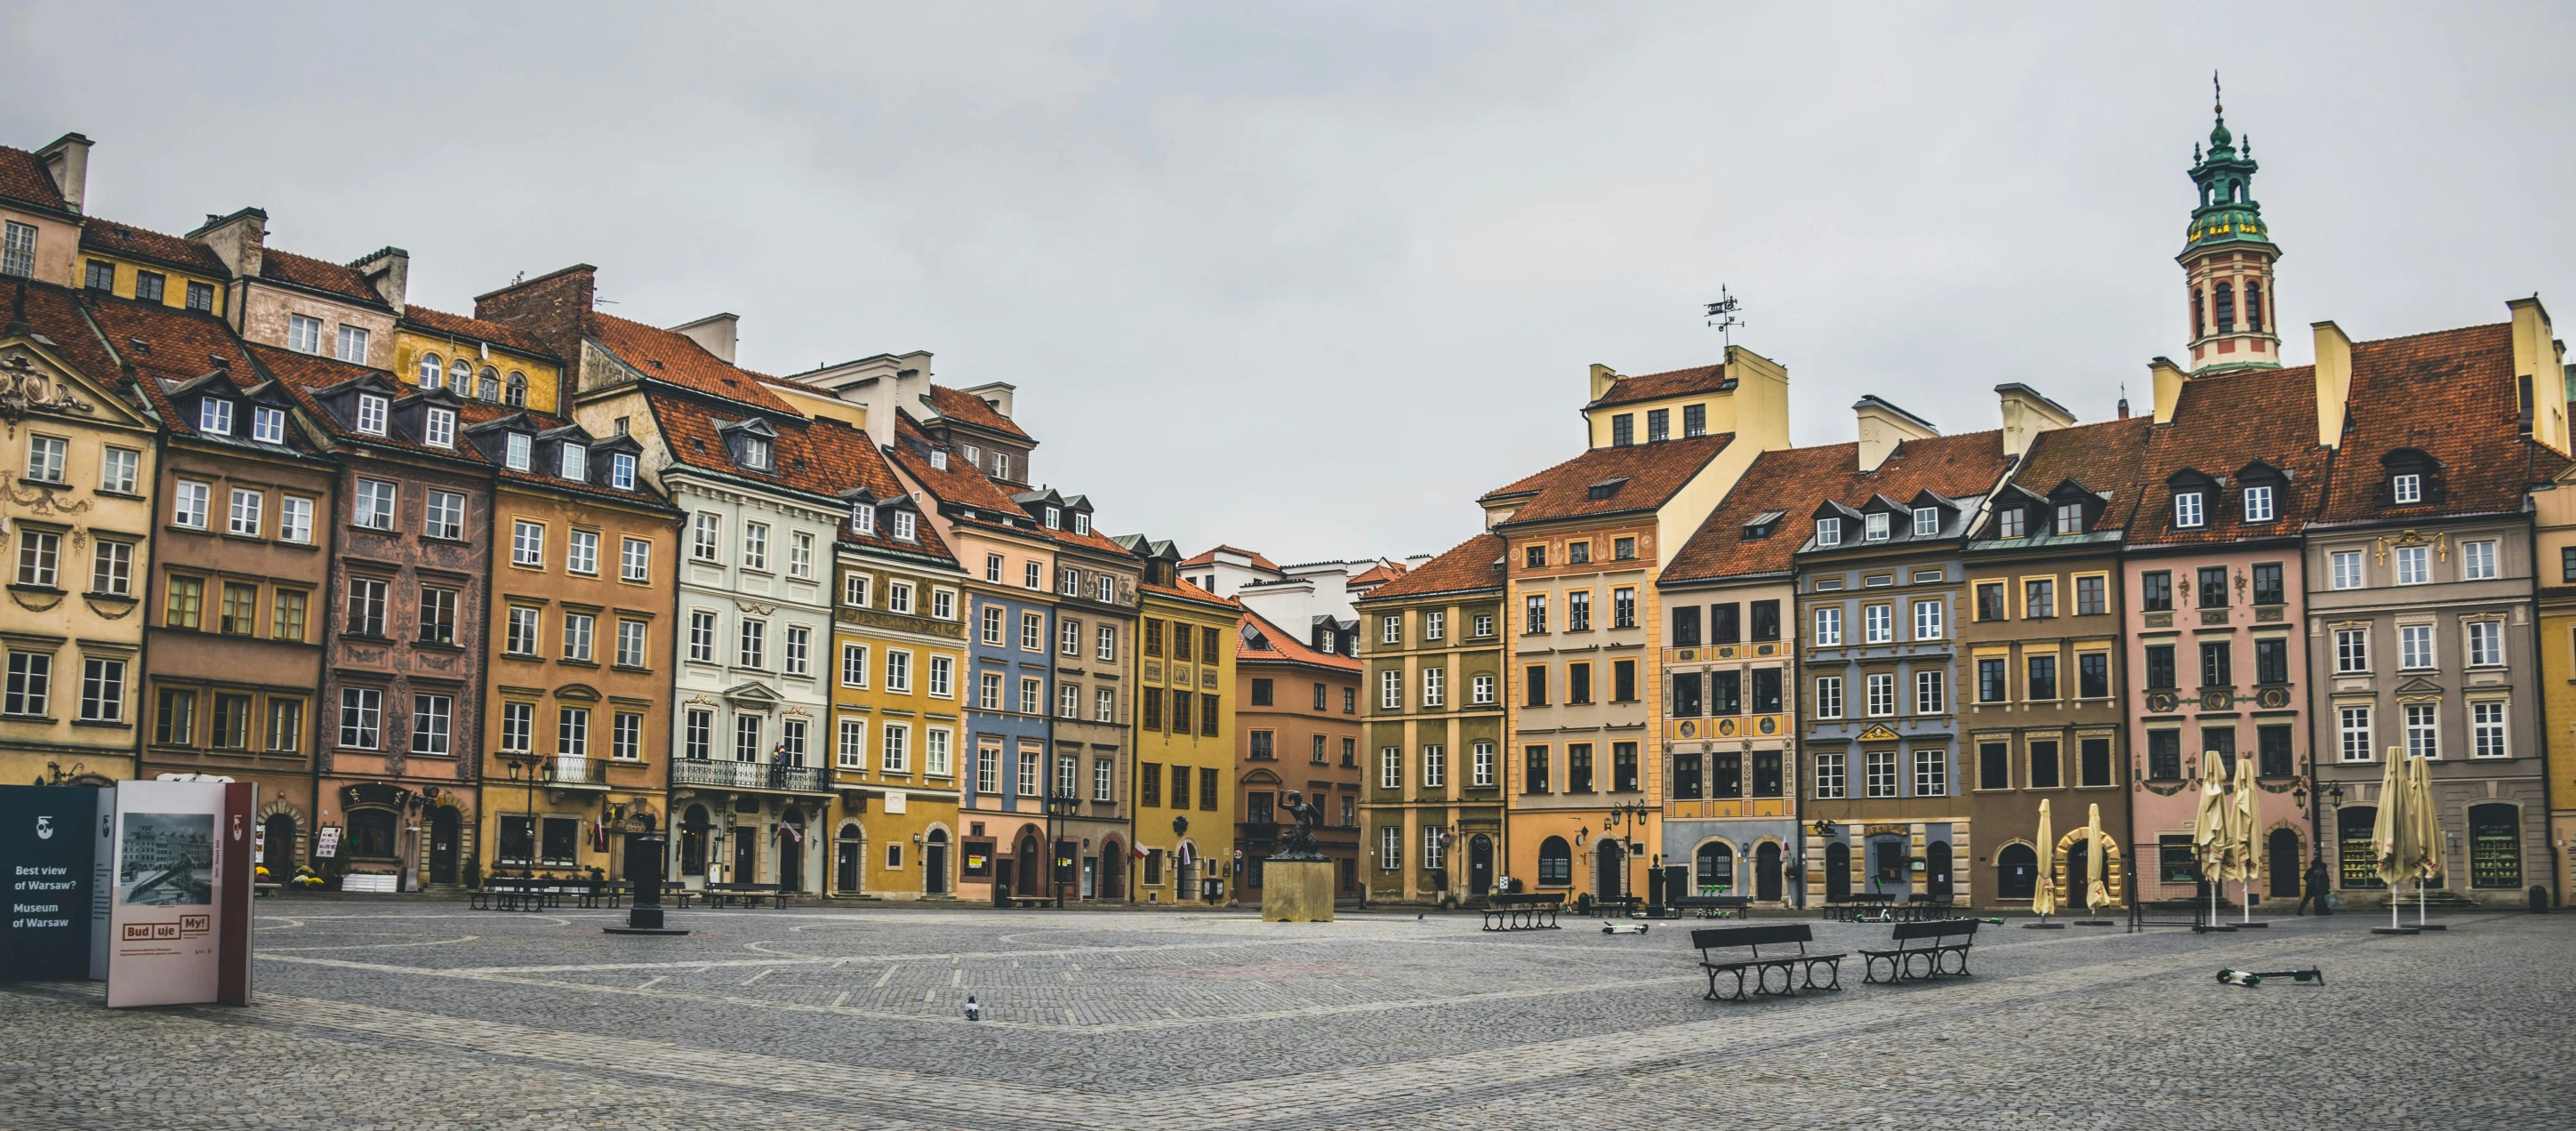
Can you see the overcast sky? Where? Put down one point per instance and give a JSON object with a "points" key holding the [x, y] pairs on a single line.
{"points": [[1310, 278]]}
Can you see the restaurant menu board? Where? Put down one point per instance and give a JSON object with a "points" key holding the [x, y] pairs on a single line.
{"points": [[180, 898], [2495, 848], [48, 854]]}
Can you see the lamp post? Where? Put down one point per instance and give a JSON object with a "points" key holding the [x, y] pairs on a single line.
{"points": [[1058, 809], [528, 761], [1625, 817]]}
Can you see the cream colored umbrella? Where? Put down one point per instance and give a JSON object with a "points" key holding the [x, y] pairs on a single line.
{"points": [[2430, 844], [2043, 896], [2241, 818], [2097, 892], [2392, 832], [2209, 828]]}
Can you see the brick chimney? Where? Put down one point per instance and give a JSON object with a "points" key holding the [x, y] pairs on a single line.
{"points": [[389, 271], [548, 308], [240, 240], [67, 159]]}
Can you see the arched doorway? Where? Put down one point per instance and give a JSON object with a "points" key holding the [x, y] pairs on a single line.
{"points": [[2077, 880], [1480, 864], [934, 863], [791, 849], [1113, 870], [693, 841], [1766, 872], [1610, 870], [446, 829], [2282, 853], [1890, 866], [1555, 863], [1032, 868], [1716, 867], [277, 848], [2017, 872], [849, 860], [1837, 872]]}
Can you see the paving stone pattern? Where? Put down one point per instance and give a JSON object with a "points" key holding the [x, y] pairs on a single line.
{"points": [[377, 1014]]}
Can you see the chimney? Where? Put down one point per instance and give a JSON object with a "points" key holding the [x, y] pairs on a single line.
{"points": [[2166, 378], [240, 240], [549, 308], [997, 394], [1883, 426], [389, 271], [2539, 366], [2334, 382], [714, 333], [1602, 378], [2026, 415], [67, 159]]}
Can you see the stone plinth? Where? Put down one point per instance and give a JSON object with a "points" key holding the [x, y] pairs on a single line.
{"points": [[1297, 891]]}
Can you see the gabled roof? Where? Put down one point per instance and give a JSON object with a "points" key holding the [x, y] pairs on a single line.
{"points": [[108, 237], [164, 348], [307, 375], [959, 487], [2104, 457], [1282, 646], [1671, 383], [676, 359], [1472, 565], [316, 275], [473, 415], [423, 320], [1181, 589], [1958, 469], [1208, 557], [55, 314], [1719, 547], [852, 454], [2220, 423], [2451, 394], [967, 408], [1378, 574], [1642, 477], [694, 433], [23, 178]]}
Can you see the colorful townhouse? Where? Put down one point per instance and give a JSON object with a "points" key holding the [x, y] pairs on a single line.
{"points": [[1880, 587], [2554, 564], [1587, 540], [1185, 753], [1091, 736], [1297, 731], [1443, 615]]}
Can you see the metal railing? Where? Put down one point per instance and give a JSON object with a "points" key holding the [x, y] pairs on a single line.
{"points": [[751, 775]]}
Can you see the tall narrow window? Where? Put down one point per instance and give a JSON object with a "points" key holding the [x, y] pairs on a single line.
{"points": [[2226, 300]]}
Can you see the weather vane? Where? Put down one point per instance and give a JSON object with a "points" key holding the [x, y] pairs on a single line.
{"points": [[1721, 314]]}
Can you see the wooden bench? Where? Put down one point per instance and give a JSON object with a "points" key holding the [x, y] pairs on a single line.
{"points": [[1715, 906], [1797, 971], [505, 894], [1532, 911], [1924, 950], [750, 894]]}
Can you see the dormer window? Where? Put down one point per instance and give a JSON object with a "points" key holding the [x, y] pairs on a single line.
{"points": [[268, 425], [371, 414], [2011, 522], [904, 528], [215, 416], [515, 451], [1054, 519], [438, 428], [1081, 523], [621, 471], [576, 462], [1829, 532], [1873, 527], [2186, 509], [755, 452], [2405, 487], [1927, 521], [1763, 524], [863, 518], [2258, 504], [973, 455], [1605, 488], [2070, 518], [938, 460]]}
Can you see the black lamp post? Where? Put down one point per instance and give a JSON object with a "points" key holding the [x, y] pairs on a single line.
{"points": [[1058, 809], [1626, 816]]}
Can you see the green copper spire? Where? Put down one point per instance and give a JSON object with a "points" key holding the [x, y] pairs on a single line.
{"points": [[2227, 212]]}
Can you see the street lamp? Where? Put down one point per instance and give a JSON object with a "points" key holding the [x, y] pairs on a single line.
{"points": [[529, 761], [1059, 808], [1626, 816]]}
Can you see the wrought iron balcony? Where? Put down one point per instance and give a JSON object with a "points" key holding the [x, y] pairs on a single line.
{"points": [[751, 775]]}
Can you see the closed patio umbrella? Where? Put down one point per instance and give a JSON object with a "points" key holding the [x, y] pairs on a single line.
{"points": [[2430, 844], [2043, 896], [2241, 818], [2097, 889], [2392, 833], [2209, 828]]}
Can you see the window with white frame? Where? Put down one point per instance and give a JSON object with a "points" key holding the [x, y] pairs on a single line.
{"points": [[1882, 773], [2352, 733], [1927, 521], [215, 416], [896, 755], [2478, 561], [1829, 532], [702, 536], [1032, 696], [1927, 619], [375, 506], [851, 750], [702, 637], [2486, 730], [2422, 734], [798, 649], [1104, 706], [1068, 700], [1434, 686], [899, 597], [2414, 565], [579, 628], [1829, 697], [2258, 504], [245, 514], [1390, 629], [1032, 576], [1829, 774], [581, 552], [1481, 691], [1480, 765], [635, 560], [943, 604], [1931, 773], [303, 334], [2344, 568], [1877, 624], [753, 644], [353, 345], [1032, 632], [631, 636], [1390, 848], [1105, 645], [362, 711], [1873, 527], [1390, 767], [2405, 487], [1931, 693], [1390, 689], [1829, 627], [621, 471], [755, 545], [1068, 637], [937, 752], [2486, 643], [800, 554], [371, 414], [443, 515], [2414, 648], [437, 427], [528, 544], [2187, 509], [117, 468], [1882, 695]]}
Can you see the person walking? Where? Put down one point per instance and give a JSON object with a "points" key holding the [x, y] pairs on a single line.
{"points": [[2315, 887]]}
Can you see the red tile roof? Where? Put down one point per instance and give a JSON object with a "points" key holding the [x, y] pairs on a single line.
{"points": [[1474, 564], [676, 359], [1379, 574], [1283, 646], [108, 237], [160, 344], [23, 178], [967, 408], [1784, 479], [422, 319], [1181, 589], [2451, 394], [1208, 557], [959, 484], [2222, 423], [1652, 474], [1656, 386], [314, 274], [57, 315], [846, 453], [2105, 456]]}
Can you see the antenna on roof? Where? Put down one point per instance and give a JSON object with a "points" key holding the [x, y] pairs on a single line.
{"points": [[1721, 314]]}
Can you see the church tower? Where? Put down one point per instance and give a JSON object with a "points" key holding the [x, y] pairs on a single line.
{"points": [[2227, 259]]}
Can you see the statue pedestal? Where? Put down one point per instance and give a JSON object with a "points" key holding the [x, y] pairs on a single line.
{"points": [[1297, 891]]}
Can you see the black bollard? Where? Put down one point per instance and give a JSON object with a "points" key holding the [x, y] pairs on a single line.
{"points": [[644, 863]]}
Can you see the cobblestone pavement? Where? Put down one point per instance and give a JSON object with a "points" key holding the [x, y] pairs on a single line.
{"points": [[398, 1015]]}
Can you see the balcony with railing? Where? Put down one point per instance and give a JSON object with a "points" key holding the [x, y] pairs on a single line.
{"points": [[555, 771], [751, 775]]}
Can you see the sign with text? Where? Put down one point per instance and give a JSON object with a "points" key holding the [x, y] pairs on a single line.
{"points": [[180, 916], [48, 856]]}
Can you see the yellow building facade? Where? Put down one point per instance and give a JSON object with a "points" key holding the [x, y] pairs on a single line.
{"points": [[2554, 560], [1184, 728], [898, 666], [481, 360]]}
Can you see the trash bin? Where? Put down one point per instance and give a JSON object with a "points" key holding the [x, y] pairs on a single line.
{"points": [[2539, 898]]}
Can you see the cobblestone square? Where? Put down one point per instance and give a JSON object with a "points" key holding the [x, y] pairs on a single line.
{"points": [[400, 1014]]}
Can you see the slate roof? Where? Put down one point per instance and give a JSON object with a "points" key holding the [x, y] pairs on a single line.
{"points": [[967, 408], [23, 178], [1656, 386], [1651, 475], [109, 237], [2453, 395], [1474, 564], [423, 320], [316, 275], [677, 359], [1283, 646], [2222, 423]]}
